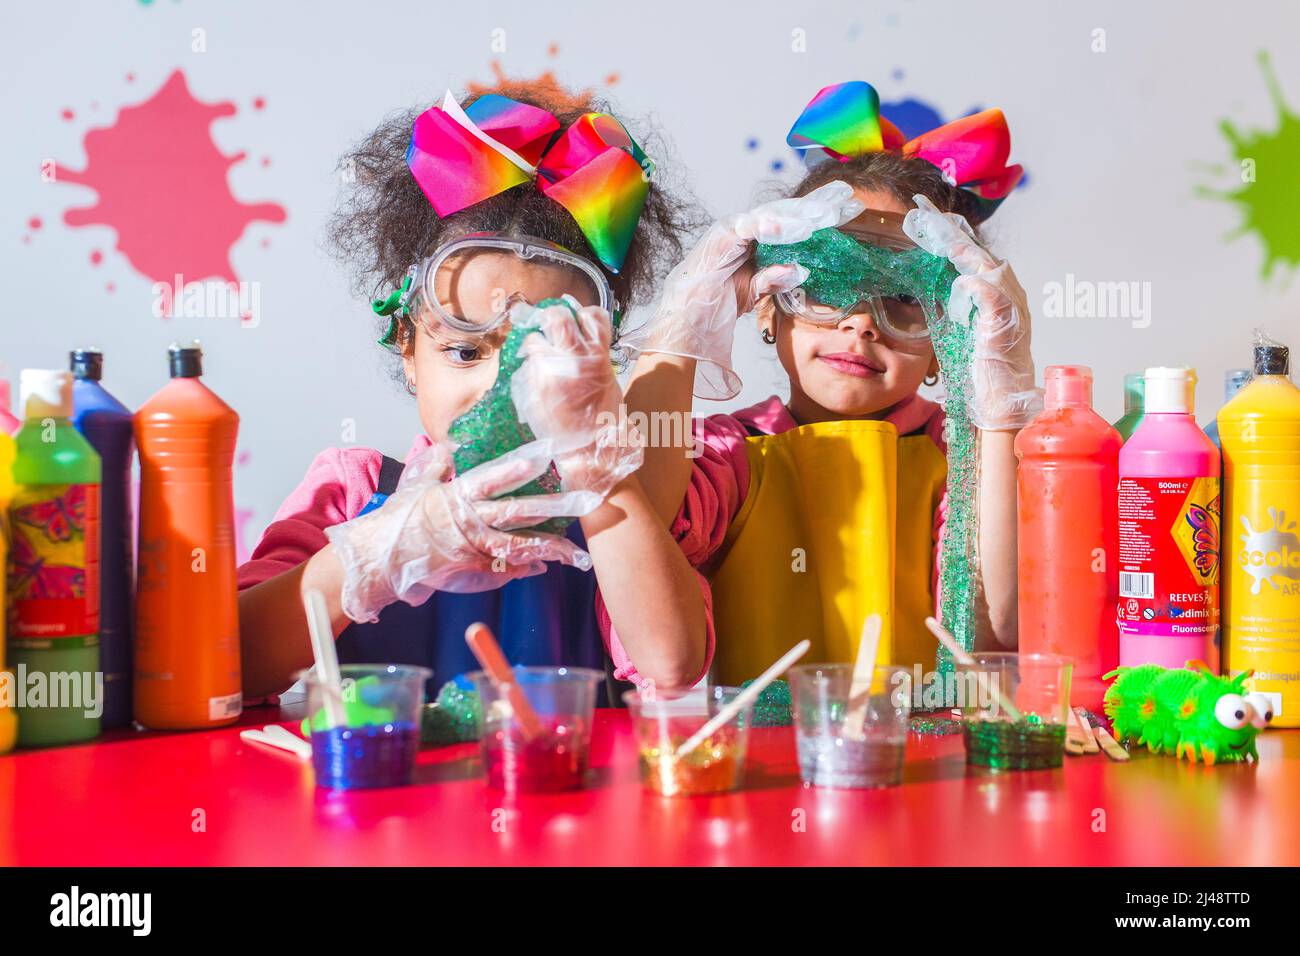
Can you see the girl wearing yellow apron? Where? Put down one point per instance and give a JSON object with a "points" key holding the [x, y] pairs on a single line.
{"points": [[807, 515]]}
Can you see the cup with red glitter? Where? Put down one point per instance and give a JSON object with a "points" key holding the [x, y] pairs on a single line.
{"points": [[664, 725], [547, 751]]}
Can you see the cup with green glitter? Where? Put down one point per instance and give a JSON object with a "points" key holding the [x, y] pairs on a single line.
{"points": [[1014, 709]]}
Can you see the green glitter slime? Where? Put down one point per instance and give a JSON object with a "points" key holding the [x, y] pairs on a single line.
{"points": [[1025, 744], [451, 719], [840, 270], [492, 426]]}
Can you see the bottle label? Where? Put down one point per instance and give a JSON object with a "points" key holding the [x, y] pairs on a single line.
{"points": [[219, 708], [54, 561], [1169, 556]]}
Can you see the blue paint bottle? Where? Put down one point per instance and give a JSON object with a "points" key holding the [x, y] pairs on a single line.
{"points": [[107, 424]]}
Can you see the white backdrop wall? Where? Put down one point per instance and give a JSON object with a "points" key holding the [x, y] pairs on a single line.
{"points": [[1114, 108]]}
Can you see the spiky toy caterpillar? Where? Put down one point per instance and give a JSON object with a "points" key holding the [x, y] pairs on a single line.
{"points": [[1200, 714]]}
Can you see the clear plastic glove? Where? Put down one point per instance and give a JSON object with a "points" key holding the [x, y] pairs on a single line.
{"points": [[435, 534], [1003, 374], [715, 284], [566, 392]]}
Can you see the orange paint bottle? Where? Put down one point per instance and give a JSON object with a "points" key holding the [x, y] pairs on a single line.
{"points": [[187, 613], [1068, 532]]}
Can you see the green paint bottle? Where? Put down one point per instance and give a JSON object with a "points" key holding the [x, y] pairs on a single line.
{"points": [[53, 568], [1134, 403]]}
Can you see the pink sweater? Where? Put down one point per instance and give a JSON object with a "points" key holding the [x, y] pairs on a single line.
{"points": [[720, 481]]}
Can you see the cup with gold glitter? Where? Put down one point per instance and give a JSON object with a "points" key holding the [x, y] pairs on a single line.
{"points": [[1014, 709], [672, 763]]}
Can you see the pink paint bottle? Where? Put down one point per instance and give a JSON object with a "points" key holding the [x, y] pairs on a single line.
{"points": [[1169, 511], [9, 422]]}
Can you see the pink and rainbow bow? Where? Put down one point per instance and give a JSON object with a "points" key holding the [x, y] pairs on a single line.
{"points": [[844, 121], [594, 169]]}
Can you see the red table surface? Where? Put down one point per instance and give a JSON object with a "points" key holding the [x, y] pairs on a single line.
{"points": [[210, 799]]}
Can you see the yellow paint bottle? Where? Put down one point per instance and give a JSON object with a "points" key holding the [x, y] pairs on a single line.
{"points": [[1260, 550], [8, 714]]}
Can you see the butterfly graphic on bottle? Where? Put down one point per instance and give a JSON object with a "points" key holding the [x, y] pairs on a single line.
{"points": [[36, 527], [31, 578], [1205, 536], [59, 518]]}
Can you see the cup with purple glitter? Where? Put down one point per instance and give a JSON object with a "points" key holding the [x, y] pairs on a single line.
{"points": [[375, 743], [845, 739]]}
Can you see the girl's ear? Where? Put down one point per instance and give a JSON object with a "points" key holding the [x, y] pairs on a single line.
{"points": [[406, 342], [765, 316]]}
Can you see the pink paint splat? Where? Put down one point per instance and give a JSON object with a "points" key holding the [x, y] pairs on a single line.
{"points": [[259, 103], [111, 287], [34, 223], [68, 115], [96, 257], [163, 185], [130, 77]]}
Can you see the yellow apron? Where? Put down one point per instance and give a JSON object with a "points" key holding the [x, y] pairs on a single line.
{"points": [[827, 534]]}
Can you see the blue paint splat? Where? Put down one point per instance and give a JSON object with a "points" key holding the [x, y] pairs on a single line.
{"points": [[751, 144]]}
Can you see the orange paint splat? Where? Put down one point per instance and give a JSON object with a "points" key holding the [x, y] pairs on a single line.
{"points": [[611, 79], [545, 87], [553, 49], [163, 185]]}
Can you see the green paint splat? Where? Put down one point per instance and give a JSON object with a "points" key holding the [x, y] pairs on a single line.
{"points": [[1269, 166]]}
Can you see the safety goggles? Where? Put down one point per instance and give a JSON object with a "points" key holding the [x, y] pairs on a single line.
{"points": [[471, 284], [867, 266]]}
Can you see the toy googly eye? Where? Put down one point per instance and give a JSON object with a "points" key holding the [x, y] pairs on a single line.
{"points": [[1262, 705], [1232, 711]]}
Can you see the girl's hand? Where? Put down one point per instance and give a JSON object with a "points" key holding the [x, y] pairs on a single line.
{"points": [[1006, 398], [567, 393], [435, 534], [715, 285]]}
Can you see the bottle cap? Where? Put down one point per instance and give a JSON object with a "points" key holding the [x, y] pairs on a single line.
{"points": [[1272, 360], [186, 360], [1170, 390], [45, 393], [1067, 385], [87, 364], [1135, 389], [1234, 380]]}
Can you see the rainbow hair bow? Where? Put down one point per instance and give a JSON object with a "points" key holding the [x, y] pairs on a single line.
{"points": [[594, 169], [844, 120]]}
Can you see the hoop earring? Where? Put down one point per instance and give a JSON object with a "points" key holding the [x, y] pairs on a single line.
{"points": [[768, 336], [931, 379], [410, 387]]}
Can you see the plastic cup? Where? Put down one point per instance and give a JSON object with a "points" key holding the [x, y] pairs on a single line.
{"points": [[663, 724], [556, 759], [832, 750], [1038, 685], [380, 736]]}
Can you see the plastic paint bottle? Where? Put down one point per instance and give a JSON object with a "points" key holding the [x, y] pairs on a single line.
{"points": [[187, 614], [1261, 593], [108, 425], [9, 422], [8, 715], [53, 567], [1169, 513], [1134, 392], [1068, 544], [1234, 380]]}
